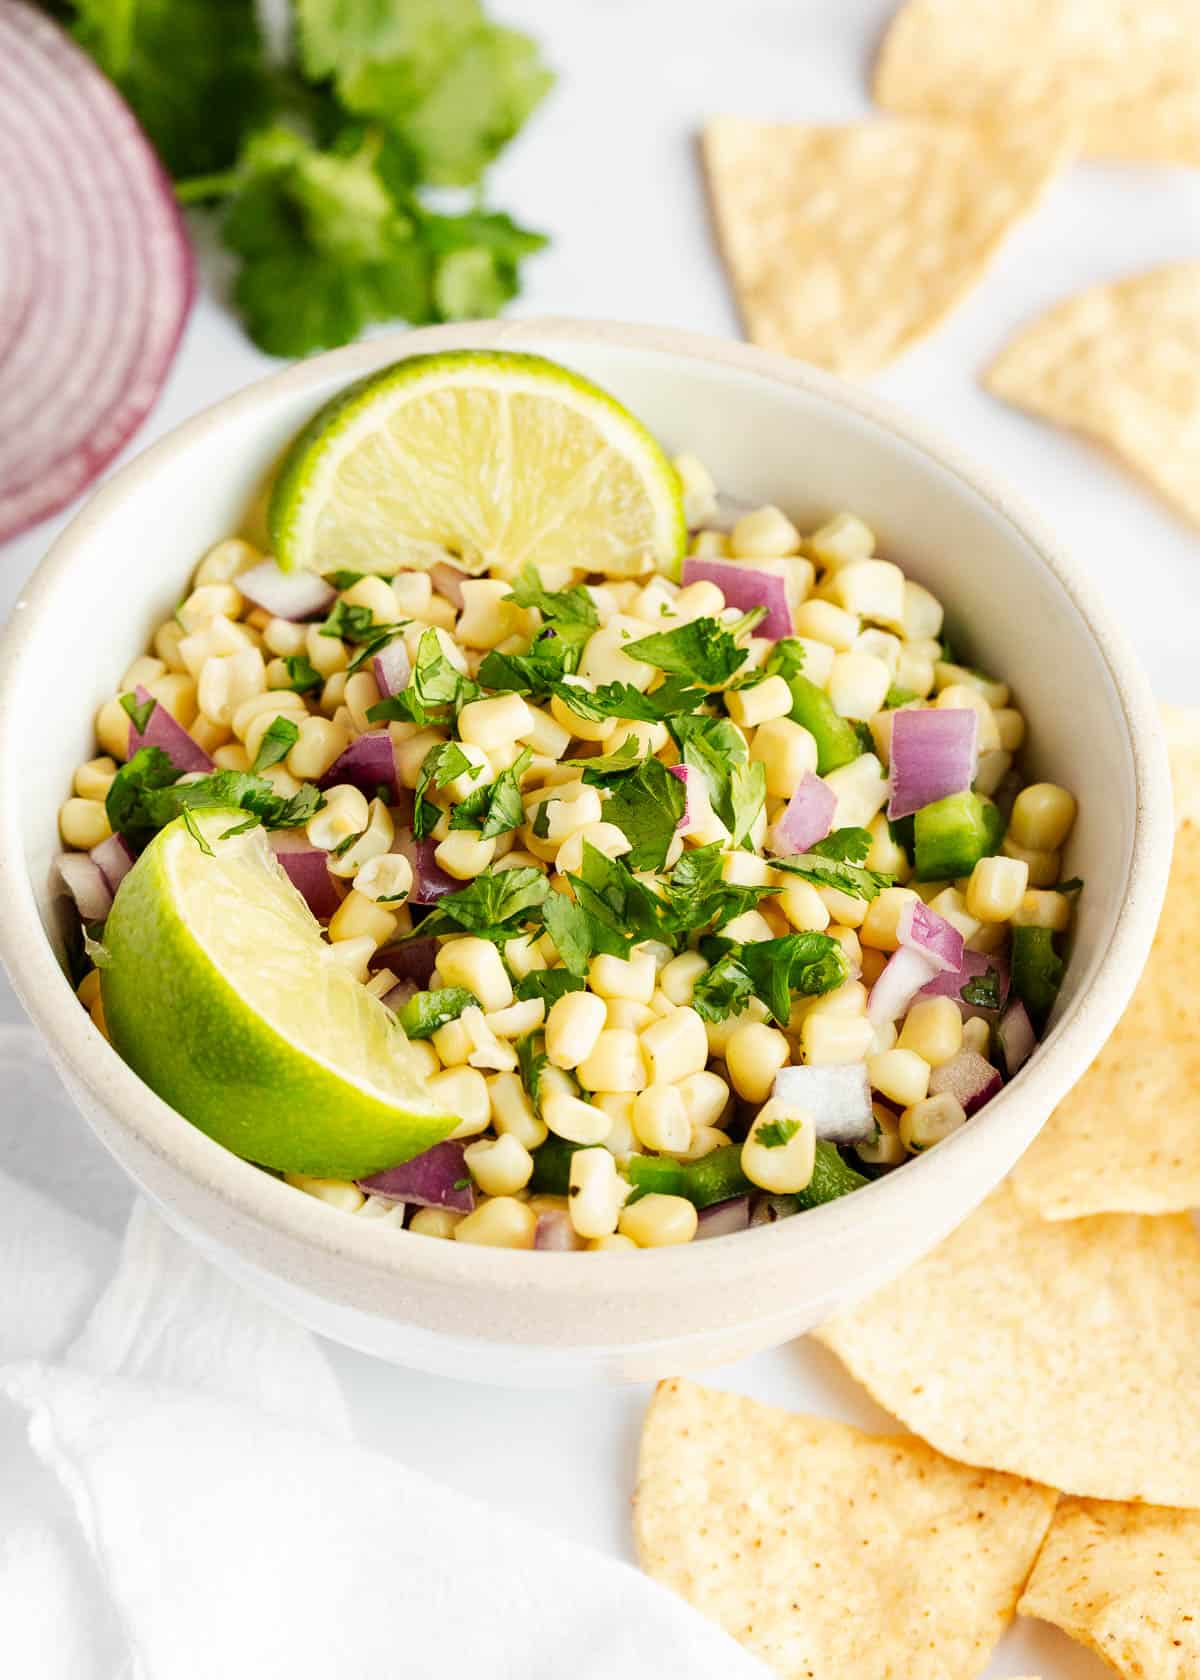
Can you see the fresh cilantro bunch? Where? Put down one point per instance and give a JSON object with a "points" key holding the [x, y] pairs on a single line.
{"points": [[319, 162]]}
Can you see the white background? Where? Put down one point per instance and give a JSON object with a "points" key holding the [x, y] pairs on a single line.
{"points": [[609, 169]]}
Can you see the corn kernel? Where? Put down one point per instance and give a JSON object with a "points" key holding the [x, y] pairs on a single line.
{"points": [[659, 1221], [501, 1222], [1043, 909], [780, 1151], [996, 888], [933, 1028], [754, 1055], [1043, 815], [616, 1062], [929, 1121], [881, 922], [500, 1166]]}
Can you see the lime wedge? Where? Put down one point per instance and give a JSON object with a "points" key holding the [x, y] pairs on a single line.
{"points": [[221, 993], [490, 458]]}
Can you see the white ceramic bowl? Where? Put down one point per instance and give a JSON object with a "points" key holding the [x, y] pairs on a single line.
{"points": [[771, 430]]}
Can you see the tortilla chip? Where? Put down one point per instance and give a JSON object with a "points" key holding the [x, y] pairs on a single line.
{"points": [[1127, 1138], [846, 245], [1068, 1352], [816, 1545], [1127, 71], [1125, 1581], [1122, 364]]}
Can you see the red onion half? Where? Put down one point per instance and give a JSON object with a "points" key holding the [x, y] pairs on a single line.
{"points": [[969, 1077], [932, 935], [114, 858], [368, 763], [97, 272], [307, 868]]}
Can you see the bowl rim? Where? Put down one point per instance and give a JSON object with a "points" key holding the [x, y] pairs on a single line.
{"points": [[244, 1190]]}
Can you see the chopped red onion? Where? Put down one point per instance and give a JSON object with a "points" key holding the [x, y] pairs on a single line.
{"points": [[722, 1219], [969, 1077], [932, 935], [808, 817], [838, 1098], [934, 753], [368, 763], [293, 595], [1017, 1037], [307, 868], [555, 1233], [975, 965], [413, 960], [428, 1179], [115, 858], [430, 881], [97, 270], [448, 581], [906, 972], [681, 773], [746, 587], [84, 880], [172, 738], [392, 667]]}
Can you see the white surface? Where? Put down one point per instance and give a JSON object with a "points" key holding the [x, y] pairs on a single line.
{"points": [[609, 169]]}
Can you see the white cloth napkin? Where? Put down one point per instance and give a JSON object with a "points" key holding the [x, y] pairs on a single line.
{"points": [[182, 1498]]}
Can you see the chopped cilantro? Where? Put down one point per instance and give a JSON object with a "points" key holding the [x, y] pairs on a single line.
{"points": [[281, 736], [607, 890], [140, 712], [776, 1133], [622, 700], [563, 606], [435, 694], [440, 766], [532, 1061], [771, 970], [578, 934], [303, 675], [713, 748], [700, 897], [703, 651], [496, 808], [547, 660], [189, 822], [494, 905], [549, 984], [835, 862], [352, 623], [899, 697], [343, 846], [748, 794], [599, 771], [646, 805], [374, 643], [845, 845], [145, 797]]}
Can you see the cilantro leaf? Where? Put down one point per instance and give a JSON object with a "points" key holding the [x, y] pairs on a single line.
{"points": [[354, 623], [786, 658], [454, 87], [599, 771], [846, 878], [714, 748], [426, 1012], [440, 766], [549, 984], [700, 897], [776, 1133], [145, 796], [532, 1061], [436, 691], [646, 805], [303, 675], [193, 72], [702, 650], [846, 845], [562, 606], [548, 659], [897, 697], [622, 700], [771, 970], [498, 807], [494, 905], [606, 888], [578, 934], [748, 795], [139, 713], [277, 742]]}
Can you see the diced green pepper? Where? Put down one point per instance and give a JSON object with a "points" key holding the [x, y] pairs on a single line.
{"points": [[836, 737], [951, 835], [1036, 971], [715, 1177], [552, 1166], [831, 1178]]}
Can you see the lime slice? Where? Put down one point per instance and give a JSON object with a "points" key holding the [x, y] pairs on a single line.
{"points": [[490, 458], [221, 993]]}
